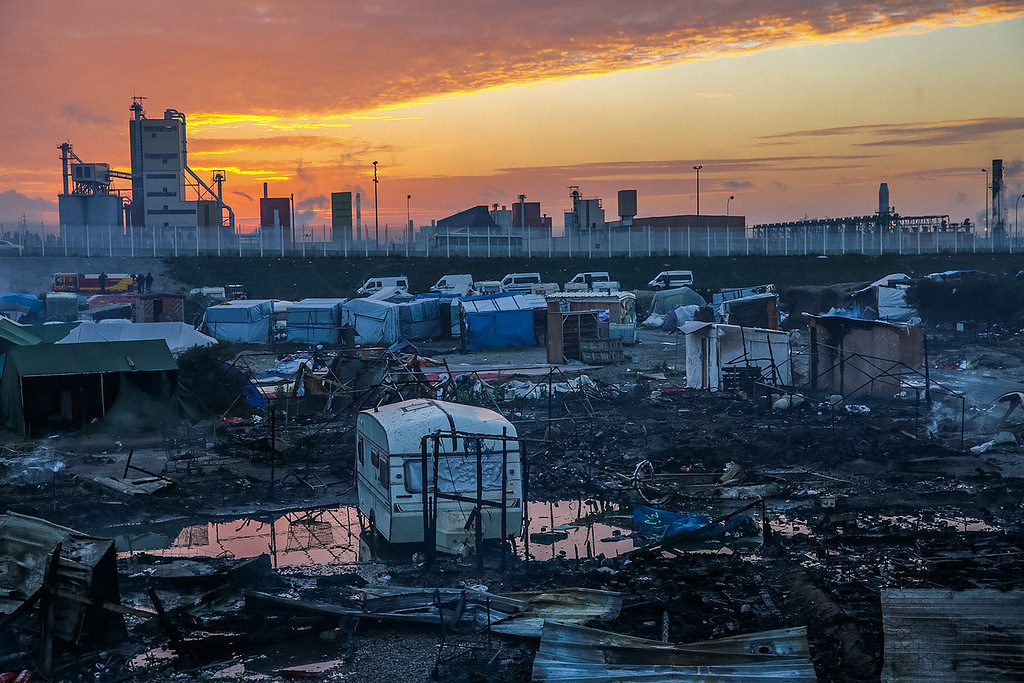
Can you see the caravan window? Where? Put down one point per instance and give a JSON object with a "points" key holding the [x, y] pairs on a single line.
{"points": [[456, 473], [359, 451], [384, 470], [401, 283]]}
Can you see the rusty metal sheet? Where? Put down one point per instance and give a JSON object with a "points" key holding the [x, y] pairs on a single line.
{"points": [[936, 634]]}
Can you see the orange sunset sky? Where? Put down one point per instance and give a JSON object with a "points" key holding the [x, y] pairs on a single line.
{"points": [[794, 107]]}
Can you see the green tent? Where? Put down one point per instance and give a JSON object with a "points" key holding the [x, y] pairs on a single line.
{"points": [[49, 386]]}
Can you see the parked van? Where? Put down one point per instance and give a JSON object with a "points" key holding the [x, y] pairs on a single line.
{"points": [[459, 285], [375, 284], [671, 279], [390, 443], [520, 282], [594, 281]]}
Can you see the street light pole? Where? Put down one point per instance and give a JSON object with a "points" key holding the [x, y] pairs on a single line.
{"points": [[408, 216], [376, 220], [731, 197], [697, 169]]}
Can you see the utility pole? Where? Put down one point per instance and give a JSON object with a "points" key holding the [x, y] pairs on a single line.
{"points": [[376, 220]]}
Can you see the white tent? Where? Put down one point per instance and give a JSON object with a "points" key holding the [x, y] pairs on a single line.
{"points": [[245, 320], [179, 336]]}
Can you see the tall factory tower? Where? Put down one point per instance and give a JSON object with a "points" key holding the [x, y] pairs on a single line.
{"points": [[160, 175]]}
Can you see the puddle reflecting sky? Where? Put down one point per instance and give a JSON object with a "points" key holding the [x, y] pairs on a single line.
{"points": [[332, 536]]}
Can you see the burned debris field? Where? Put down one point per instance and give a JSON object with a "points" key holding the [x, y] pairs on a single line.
{"points": [[854, 512]]}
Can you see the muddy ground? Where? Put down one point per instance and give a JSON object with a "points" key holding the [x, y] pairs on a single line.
{"points": [[913, 507]]}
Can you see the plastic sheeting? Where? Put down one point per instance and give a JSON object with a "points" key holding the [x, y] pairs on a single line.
{"points": [[21, 303], [499, 329], [497, 320], [245, 321], [665, 525], [671, 299], [385, 322], [178, 336], [316, 321]]}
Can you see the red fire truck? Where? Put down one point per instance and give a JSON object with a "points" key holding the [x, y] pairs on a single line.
{"points": [[89, 283]]}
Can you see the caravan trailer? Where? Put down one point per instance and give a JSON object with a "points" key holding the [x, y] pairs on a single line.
{"points": [[390, 442]]}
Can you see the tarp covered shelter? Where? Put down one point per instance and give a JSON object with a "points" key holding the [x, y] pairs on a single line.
{"points": [[59, 385], [316, 321], [884, 299], [377, 321], [179, 337], [246, 321], [712, 350], [498, 321], [670, 299], [15, 305]]}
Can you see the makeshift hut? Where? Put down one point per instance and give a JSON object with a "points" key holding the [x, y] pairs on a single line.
{"points": [[246, 321], [884, 299], [855, 357], [728, 356], [379, 321], [504, 320], [50, 386], [316, 321]]}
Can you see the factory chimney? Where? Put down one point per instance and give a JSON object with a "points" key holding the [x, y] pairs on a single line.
{"points": [[359, 217], [998, 225], [265, 191], [883, 199]]}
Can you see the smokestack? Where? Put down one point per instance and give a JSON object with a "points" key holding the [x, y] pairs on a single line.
{"points": [[883, 199], [359, 217], [265, 194], [999, 228]]}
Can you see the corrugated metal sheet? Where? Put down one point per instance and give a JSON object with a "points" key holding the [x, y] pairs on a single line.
{"points": [[513, 302], [573, 605], [944, 635], [571, 652]]}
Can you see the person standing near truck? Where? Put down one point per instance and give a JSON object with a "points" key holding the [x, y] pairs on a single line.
{"points": [[103, 283], [149, 282]]}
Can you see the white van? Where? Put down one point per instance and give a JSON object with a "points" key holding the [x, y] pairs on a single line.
{"points": [[591, 281], [671, 279], [390, 441], [520, 282], [459, 285], [375, 284]]}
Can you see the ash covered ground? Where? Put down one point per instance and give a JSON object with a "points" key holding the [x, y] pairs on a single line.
{"points": [[903, 492]]}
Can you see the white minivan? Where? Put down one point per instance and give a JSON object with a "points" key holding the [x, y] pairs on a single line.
{"points": [[591, 281], [375, 284], [671, 279], [520, 282], [459, 285]]}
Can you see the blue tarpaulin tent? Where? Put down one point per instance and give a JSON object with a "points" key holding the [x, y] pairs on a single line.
{"points": [[499, 320]]}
